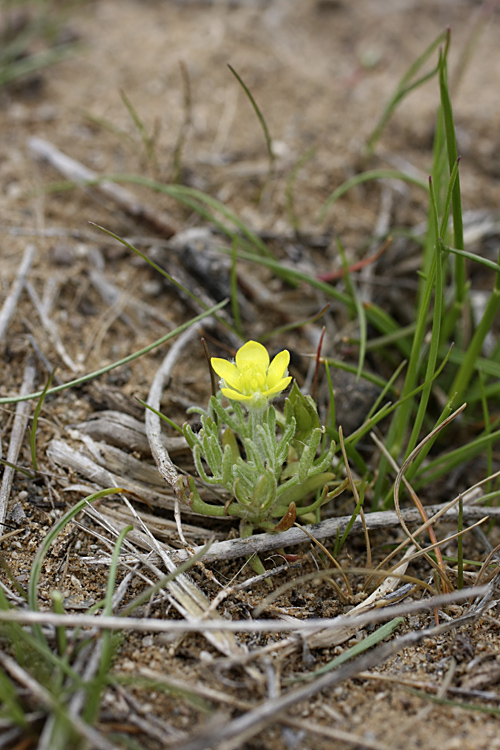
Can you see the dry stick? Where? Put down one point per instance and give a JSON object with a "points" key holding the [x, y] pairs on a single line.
{"points": [[16, 437], [259, 543], [11, 302], [483, 596], [153, 421], [77, 172]]}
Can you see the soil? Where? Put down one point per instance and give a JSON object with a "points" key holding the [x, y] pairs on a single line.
{"points": [[320, 72]]}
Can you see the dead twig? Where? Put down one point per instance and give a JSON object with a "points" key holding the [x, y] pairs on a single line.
{"points": [[153, 421], [259, 543], [483, 595], [10, 303], [19, 426]]}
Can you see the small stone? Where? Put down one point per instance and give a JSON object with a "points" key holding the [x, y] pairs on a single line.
{"points": [[63, 254]]}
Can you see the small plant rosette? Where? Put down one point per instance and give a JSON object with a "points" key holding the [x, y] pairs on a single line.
{"points": [[269, 463]]}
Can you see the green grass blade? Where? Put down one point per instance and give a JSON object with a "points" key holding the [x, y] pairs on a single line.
{"points": [[451, 145], [360, 310], [167, 420], [371, 640], [260, 117], [445, 463], [10, 707], [108, 638], [147, 140], [469, 363], [475, 257], [435, 332], [290, 184], [358, 179], [404, 87]]}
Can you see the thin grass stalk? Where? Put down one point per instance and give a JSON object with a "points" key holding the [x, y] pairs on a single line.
{"points": [[26, 645], [445, 463], [147, 140], [289, 187], [161, 271], [235, 308], [195, 199], [34, 424], [331, 395], [415, 466], [487, 428], [11, 707], [292, 326], [360, 310], [397, 430], [369, 641], [460, 543], [186, 123], [52, 534], [260, 117]]}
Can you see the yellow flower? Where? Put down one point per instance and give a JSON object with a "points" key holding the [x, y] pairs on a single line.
{"points": [[252, 379]]}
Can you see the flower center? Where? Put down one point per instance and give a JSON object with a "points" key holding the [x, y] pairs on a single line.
{"points": [[252, 379]]}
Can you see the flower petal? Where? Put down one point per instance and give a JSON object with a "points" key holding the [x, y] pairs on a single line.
{"points": [[278, 368], [234, 395], [226, 370], [278, 387], [252, 353]]}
